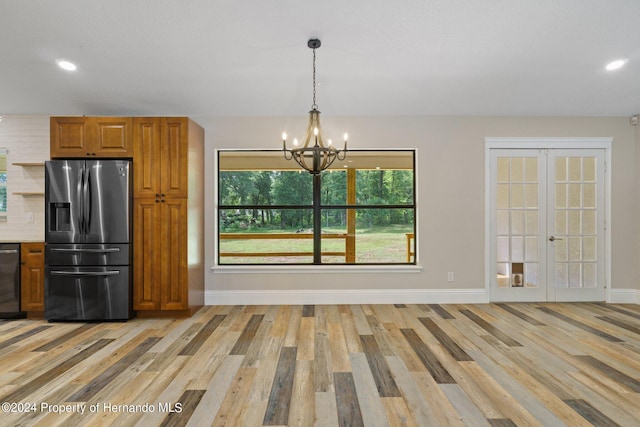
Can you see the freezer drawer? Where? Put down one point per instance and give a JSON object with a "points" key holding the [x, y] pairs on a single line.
{"points": [[87, 254], [87, 293]]}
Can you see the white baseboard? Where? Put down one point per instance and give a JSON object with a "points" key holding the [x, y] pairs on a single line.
{"points": [[624, 296], [347, 296]]}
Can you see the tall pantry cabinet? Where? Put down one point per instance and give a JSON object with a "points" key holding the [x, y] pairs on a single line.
{"points": [[168, 223]]}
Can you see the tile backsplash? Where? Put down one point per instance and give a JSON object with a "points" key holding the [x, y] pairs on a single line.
{"points": [[26, 139]]}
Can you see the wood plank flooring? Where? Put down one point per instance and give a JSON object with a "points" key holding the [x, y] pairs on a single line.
{"points": [[546, 364]]}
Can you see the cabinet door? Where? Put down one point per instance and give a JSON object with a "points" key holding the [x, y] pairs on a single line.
{"points": [[146, 157], [148, 245], [69, 136], [91, 137], [32, 276], [175, 160], [173, 255], [112, 136]]}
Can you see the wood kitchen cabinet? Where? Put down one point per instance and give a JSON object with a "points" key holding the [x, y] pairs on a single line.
{"points": [[168, 223], [91, 137], [32, 278]]}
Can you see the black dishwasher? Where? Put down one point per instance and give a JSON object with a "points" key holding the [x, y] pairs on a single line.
{"points": [[10, 281]]}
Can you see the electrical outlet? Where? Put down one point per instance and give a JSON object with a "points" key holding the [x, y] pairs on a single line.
{"points": [[29, 217], [450, 276]]}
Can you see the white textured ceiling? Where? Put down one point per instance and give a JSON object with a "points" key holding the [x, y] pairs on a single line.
{"points": [[239, 58]]}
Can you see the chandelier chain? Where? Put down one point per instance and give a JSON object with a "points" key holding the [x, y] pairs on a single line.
{"points": [[314, 106]]}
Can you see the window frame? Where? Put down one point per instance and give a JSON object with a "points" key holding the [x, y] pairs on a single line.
{"points": [[412, 246]]}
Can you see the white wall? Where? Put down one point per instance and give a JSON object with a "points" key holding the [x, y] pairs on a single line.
{"points": [[450, 198], [27, 139], [450, 195]]}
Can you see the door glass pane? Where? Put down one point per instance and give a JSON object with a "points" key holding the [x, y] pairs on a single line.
{"points": [[503, 169], [532, 222], [531, 169], [589, 169], [575, 275], [561, 222], [589, 222], [503, 275], [503, 249], [575, 248], [531, 249], [517, 195], [561, 195], [561, 250], [517, 225], [517, 169], [502, 223], [561, 169], [575, 192], [575, 169], [532, 195], [574, 222], [517, 249], [561, 275], [589, 195], [589, 278], [503, 196], [531, 275], [589, 248]]}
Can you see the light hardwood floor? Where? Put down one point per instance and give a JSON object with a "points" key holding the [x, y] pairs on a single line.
{"points": [[328, 365]]}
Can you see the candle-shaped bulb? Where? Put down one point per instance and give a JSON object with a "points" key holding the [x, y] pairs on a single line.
{"points": [[284, 136], [346, 137], [295, 141], [315, 131], [330, 143]]}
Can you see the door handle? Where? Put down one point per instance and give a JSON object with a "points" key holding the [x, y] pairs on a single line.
{"points": [[94, 251], [87, 273], [553, 238], [8, 251]]}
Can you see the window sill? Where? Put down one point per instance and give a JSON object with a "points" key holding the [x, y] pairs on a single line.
{"points": [[314, 269]]}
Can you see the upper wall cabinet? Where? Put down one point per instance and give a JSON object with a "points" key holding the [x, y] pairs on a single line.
{"points": [[161, 156], [91, 137]]}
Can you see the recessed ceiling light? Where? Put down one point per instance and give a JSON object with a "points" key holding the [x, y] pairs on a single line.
{"points": [[618, 63], [66, 65]]}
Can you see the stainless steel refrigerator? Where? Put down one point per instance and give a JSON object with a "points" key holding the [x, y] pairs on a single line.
{"points": [[88, 240]]}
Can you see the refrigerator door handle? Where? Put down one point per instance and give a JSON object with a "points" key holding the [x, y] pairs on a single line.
{"points": [[8, 251], [80, 201], [86, 273], [86, 195], [94, 251]]}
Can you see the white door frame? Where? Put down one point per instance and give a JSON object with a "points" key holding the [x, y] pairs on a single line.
{"points": [[547, 143]]}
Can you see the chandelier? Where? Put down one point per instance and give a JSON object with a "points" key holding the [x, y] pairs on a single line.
{"points": [[314, 155]]}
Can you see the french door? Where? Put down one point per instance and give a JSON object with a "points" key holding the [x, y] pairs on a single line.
{"points": [[547, 225]]}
